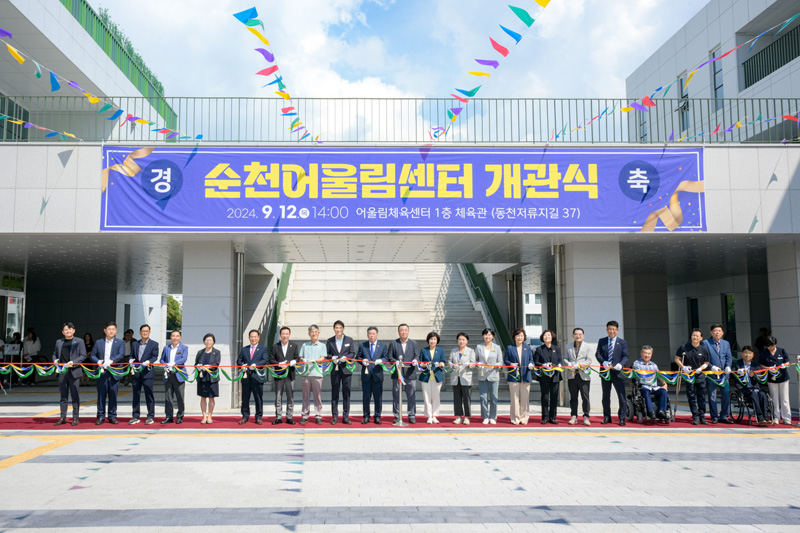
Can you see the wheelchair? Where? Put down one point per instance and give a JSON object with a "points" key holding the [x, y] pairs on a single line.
{"points": [[637, 407], [742, 403]]}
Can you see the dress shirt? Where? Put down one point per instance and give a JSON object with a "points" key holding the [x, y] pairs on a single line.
{"points": [[172, 350], [311, 352], [648, 382], [107, 355]]}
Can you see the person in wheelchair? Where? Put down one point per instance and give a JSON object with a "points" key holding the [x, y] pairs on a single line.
{"points": [[747, 384], [647, 379]]}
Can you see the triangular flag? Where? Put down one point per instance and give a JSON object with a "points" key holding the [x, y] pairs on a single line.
{"points": [[267, 71], [502, 50], [266, 53], [38, 73], [756, 120], [542, 3], [488, 62], [471, 93], [671, 137], [648, 101], [116, 115], [105, 108], [286, 109], [460, 99], [13, 52], [456, 110], [295, 121], [54, 85], [486, 74], [716, 130], [787, 23], [258, 34], [304, 136], [254, 22], [514, 35], [625, 109], [92, 99], [689, 79], [283, 95], [247, 14], [638, 106], [790, 117], [5, 33], [276, 80], [523, 15]]}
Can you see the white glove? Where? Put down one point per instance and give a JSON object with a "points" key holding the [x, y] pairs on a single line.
{"points": [[284, 364], [292, 362], [530, 366], [618, 367], [727, 370], [606, 364], [576, 365], [414, 362], [146, 364], [252, 367], [687, 369], [783, 365], [131, 361], [740, 371], [441, 365], [716, 368], [69, 363], [378, 361], [106, 364], [548, 365]]}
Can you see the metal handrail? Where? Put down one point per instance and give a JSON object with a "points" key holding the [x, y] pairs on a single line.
{"points": [[283, 285], [523, 121], [480, 289]]}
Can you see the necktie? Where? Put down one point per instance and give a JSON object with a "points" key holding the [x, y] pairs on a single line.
{"points": [[610, 349], [252, 351], [372, 351], [717, 343]]}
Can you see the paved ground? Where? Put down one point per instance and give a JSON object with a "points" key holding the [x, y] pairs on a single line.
{"points": [[732, 478]]}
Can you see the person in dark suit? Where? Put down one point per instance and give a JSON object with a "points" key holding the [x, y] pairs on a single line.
{"points": [[547, 357], [251, 357], [747, 383], [519, 356], [404, 350], [70, 352], [340, 348], [372, 353], [612, 354], [720, 359], [175, 354], [144, 352], [206, 362], [285, 354], [107, 352]]}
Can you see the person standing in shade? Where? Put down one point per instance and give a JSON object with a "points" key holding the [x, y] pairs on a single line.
{"points": [[547, 358], [144, 352], [128, 340], [371, 355], [30, 353], [206, 362], [250, 358], [578, 354], [520, 357], [612, 354], [720, 359], [433, 376], [284, 353], [107, 351], [340, 348], [778, 382], [646, 376], [404, 350], [70, 352], [88, 342], [462, 360], [174, 355], [489, 357], [312, 353], [747, 382], [694, 356]]}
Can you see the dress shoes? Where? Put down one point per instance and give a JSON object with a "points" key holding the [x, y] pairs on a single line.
{"points": [[290, 421], [61, 422], [75, 421], [726, 421], [378, 420], [703, 421], [544, 421], [396, 420], [695, 421], [99, 421], [660, 415], [303, 421], [554, 421], [243, 421], [167, 421], [365, 421], [113, 421], [715, 420], [179, 420], [606, 420], [318, 420], [276, 421], [334, 420], [258, 421], [148, 421], [412, 420], [621, 421], [346, 421]]}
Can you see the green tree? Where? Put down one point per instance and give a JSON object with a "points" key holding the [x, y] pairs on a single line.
{"points": [[174, 314]]}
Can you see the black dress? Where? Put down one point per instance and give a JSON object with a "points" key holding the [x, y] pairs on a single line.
{"points": [[207, 386]]}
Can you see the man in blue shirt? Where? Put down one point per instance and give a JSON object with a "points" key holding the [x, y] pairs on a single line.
{"points": [[647, 377], [720, 358]]}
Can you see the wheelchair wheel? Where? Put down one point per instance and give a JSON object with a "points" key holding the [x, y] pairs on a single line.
{"points": [[639, 417], [738, 403], [630, 413]]}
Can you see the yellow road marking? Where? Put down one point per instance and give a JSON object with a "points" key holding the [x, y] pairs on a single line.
{"points": [[56, 442], [69, 407]]}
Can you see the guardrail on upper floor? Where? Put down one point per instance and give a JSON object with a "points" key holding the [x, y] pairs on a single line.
{"points": [[480, 289], [414, 120], [275, 313]]}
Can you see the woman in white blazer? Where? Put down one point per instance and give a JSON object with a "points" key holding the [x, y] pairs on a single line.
{"points": [[462, 360], [579, 353], [488, 353]]}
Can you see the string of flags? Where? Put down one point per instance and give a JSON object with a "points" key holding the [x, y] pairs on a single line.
{"points": [[249, 17], [56, 82], [645, 103], [464, 96]]}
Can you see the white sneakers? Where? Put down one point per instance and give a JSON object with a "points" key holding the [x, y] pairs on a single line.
{"points": [[457, 420], [573, 421], [493, 421], [466, 421], [586, 421], [485, 421]]}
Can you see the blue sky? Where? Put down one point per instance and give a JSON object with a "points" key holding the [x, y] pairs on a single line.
{"points": [[400, 48]]}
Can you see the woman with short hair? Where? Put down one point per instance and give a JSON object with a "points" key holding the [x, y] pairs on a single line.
{"points": [[489, 357], [207, 361], [433, 376]]}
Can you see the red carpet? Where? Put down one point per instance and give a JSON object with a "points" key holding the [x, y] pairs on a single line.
{"points": [[231, 422]]}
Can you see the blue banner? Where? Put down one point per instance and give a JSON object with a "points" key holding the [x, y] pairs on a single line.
{"points": [[408, 189]]}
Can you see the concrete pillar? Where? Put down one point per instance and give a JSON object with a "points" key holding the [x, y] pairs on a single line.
{"points": [[646, 316], [592, 297], [209, 272], [783, 273]]}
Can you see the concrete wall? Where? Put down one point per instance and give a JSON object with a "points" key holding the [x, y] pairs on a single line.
{"points": [[144, 309]]}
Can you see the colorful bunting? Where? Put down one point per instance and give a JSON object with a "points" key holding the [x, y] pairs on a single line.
{"points": [[4, 33], [648, 102], [267, 71], [13, 51], [486, 74], [470, 93], [116, 115], [267, 54], [460, 99], [514, 35], [105, 108], [488, 62], [38, 72], [502, 50], [523, 15], [54, 85], [258, 34]]}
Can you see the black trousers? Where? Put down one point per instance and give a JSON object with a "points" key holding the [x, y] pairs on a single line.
{"points": [[576, 386], [69, 384], [461, 400], [696, 394], [372, 390], [250, 385], [340, 380], [174, 394], [107, 387], [760, 405], [549, 398], [140, 383], [618, 382]]}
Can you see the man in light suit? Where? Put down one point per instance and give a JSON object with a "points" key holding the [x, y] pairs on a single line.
{"points": [[174, 355], [253, 356], [578, 353], [405, 350], [720, 357], [340, 347], [284, 353], [612, 354], [70, 352], [372, 353], [144, 352], [107, 352]]}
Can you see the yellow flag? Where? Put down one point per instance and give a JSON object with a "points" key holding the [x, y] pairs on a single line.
{"points": [[479, 74], [92, 99], [13, 52], [258, 34], [283, 95]]}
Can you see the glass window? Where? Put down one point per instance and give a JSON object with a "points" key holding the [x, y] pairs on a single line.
{"points": [[537, 299], [684, 105], [533, 320], [716, 79], [527, 298]]}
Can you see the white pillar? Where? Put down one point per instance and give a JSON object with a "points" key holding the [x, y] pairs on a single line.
{"points": [[209, 272], [783, 273], [592, 297]]}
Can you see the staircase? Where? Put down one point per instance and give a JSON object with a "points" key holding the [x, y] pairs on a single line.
{"points": [[425, 296]]}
